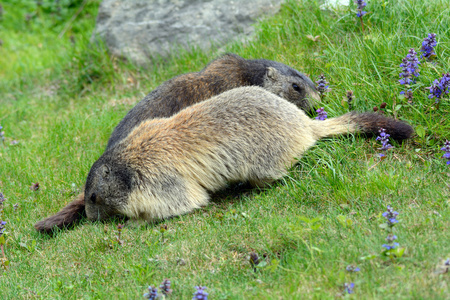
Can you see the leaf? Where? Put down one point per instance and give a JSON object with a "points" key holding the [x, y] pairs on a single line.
{"points": [[2, 240], [328, 65], [384, 225], [313, 38], [398, 252], [316, 226], [262, 264], [420, 130], [346, 222], [397, 107], [368, 257], [316, 249], [273, 265]]}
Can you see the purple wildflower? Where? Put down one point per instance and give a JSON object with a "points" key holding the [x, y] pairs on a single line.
{"points": [[410, 67], [390, 238], [152, 293], [254, 260], [2, 198], [34, 187], [384, 139], [321, 114], [322, 85], [440, 87], [349, 287], [446, 148], [2, 227], [408, 95], [2, 133], [390, 246], [165, 287], [350, 96], [428, 45], [200, 294], [352, 268], [390, 216], [361, 4]]}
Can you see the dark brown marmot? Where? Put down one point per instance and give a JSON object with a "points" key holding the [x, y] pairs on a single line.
{"points": [[167, 167], [220, 75]]}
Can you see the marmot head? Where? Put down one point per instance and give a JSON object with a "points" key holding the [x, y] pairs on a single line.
{"points": [[292, 86], [108, 187]]}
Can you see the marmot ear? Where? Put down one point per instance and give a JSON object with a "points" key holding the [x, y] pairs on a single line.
{"points": [[272, 73], [105, 170]]}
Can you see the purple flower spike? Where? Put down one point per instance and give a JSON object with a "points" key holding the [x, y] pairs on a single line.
{"points": [[321, 114], [390, 247], [390, 238], [410, 68], [2, 227], [352, 268], [361, 4], [384, 139], [446, 148], [391, 216], [408, 95], [440, 87], [165, 287], [349, 287], [152, 293], [322, 85], [2, 133], [428, 45], [200, 294]]}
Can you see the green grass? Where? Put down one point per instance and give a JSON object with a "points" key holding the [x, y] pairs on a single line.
{"points": [[62, 100]]}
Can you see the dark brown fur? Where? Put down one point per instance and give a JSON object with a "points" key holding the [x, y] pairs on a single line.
{"points": [[67, 216], [372, 122], [220, 75]]}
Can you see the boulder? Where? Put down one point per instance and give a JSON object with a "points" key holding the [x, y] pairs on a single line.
{"points": [[140, 29]]}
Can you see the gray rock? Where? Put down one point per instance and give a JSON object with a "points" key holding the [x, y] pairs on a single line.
{"points": [[140, 29]]}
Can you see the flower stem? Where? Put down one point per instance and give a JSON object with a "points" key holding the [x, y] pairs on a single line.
{"points": [[362, 24]]}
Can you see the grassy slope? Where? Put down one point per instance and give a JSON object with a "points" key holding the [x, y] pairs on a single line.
{"points": [[61, 101]]}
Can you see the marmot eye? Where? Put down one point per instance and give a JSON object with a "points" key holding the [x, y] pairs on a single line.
{"points": [[296, 87], [93, 197]]}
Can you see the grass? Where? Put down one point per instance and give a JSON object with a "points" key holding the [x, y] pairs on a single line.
{"points": [[61, 100]]}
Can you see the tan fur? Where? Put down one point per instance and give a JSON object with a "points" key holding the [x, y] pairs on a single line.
{"points": [[246, 134]]}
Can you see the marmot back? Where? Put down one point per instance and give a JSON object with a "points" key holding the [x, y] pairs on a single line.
{"points": [[167, 167], [223, 74]]}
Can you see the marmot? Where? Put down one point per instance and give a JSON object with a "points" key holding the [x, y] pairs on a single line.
{"points": [[225, 73], [166, 167]]}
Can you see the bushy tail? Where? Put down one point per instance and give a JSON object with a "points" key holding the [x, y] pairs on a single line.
{"points": [[368, 123], [67, 216]]}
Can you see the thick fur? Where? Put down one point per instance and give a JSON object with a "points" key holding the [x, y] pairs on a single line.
{"points": [[67, 216], [226, 73], [167, 167]]}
